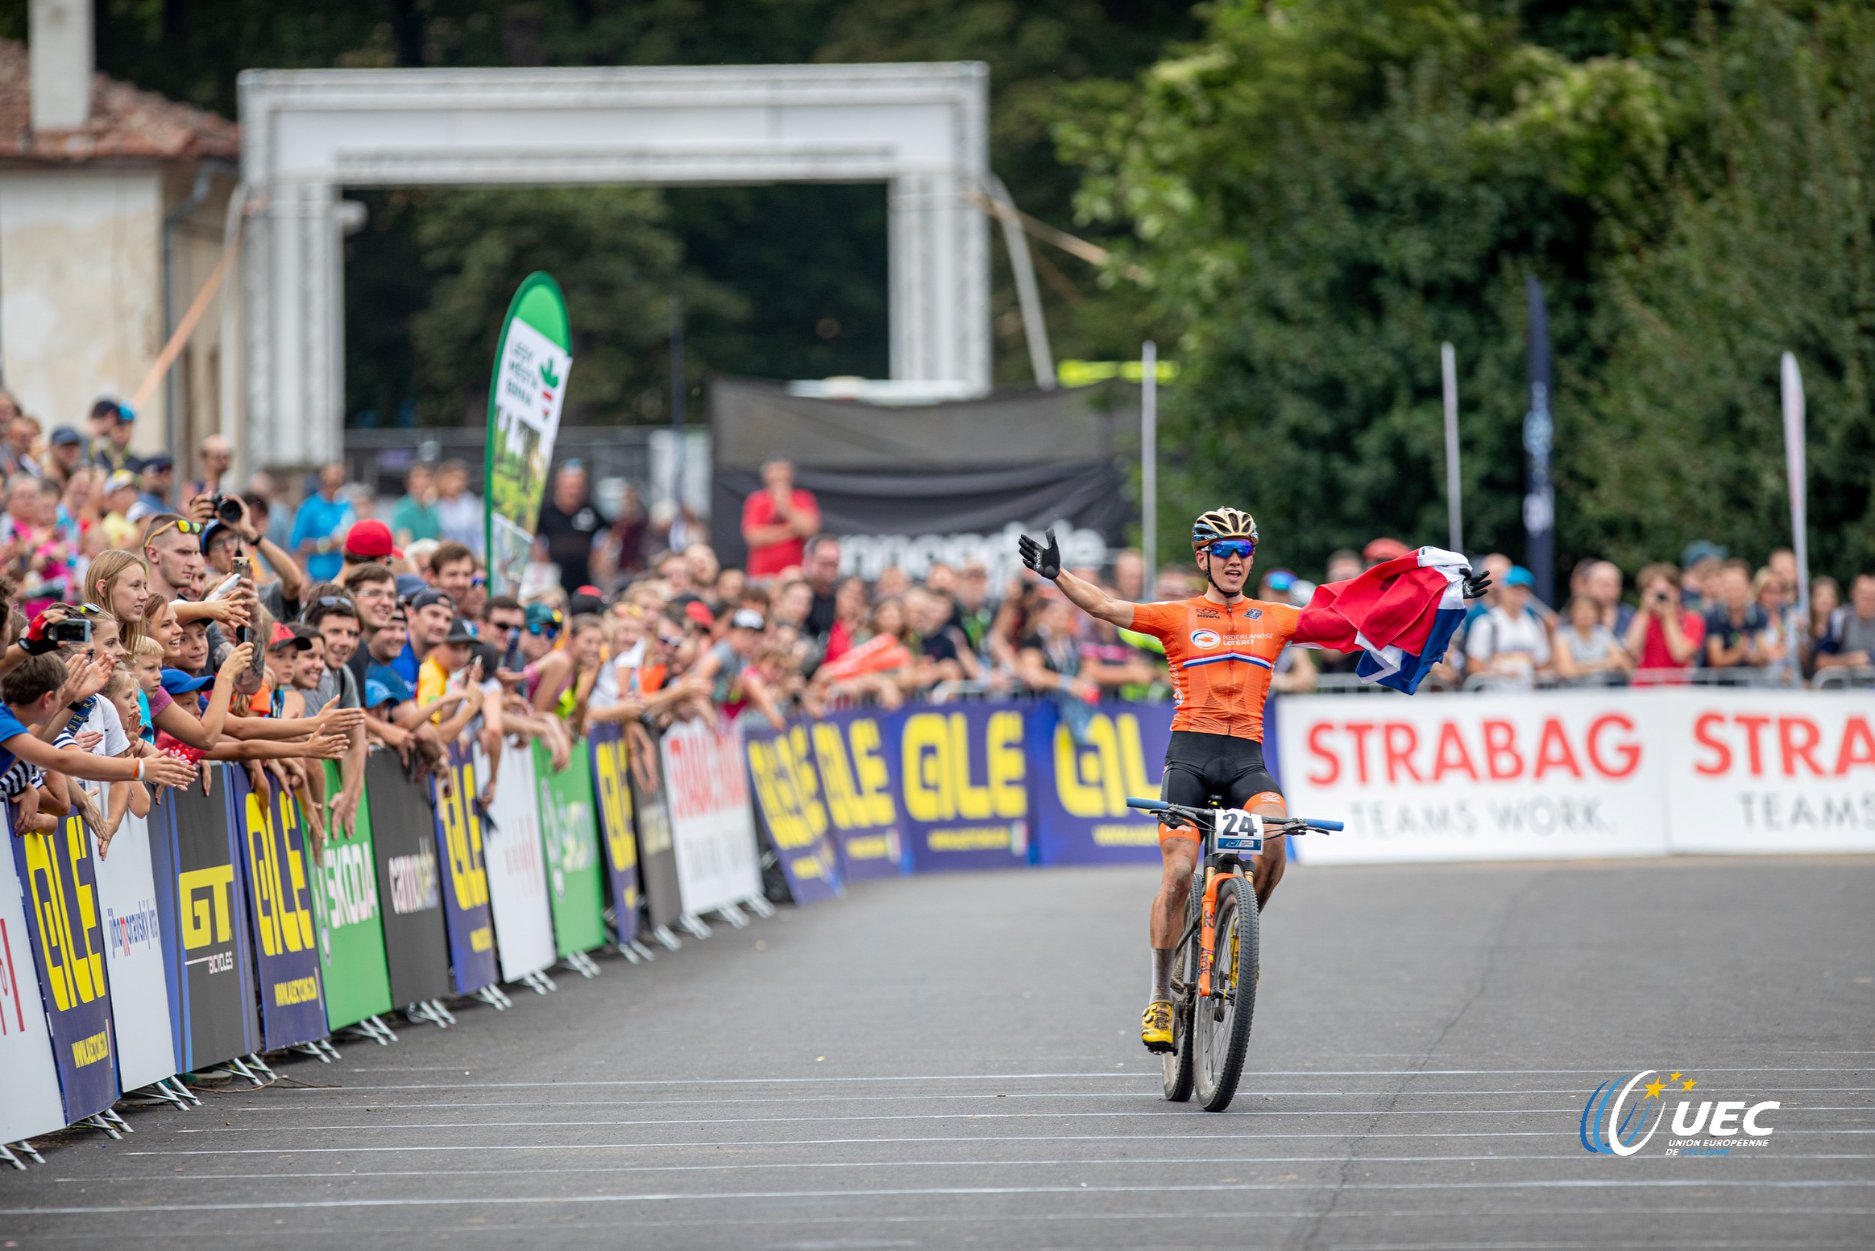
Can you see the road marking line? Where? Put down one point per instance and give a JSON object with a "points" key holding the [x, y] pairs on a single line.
{"points": [[1604, 1183]]}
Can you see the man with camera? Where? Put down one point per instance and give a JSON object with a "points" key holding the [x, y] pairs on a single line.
{"points": [[229, 539]]}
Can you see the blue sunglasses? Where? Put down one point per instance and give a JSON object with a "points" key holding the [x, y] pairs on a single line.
{"points": [[1224, 549]]}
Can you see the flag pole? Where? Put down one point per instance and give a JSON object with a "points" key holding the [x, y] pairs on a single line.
{"points": [[1149, 460], [1795, 475], [1454, 515]]}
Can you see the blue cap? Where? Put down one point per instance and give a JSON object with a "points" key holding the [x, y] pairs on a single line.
{"points": [[182, 682], [411, 585], [1519, 576], [377, 693], [1280, 579], [540, 616]]}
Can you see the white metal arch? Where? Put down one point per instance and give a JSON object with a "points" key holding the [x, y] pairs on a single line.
{"points": [[305, 134]]}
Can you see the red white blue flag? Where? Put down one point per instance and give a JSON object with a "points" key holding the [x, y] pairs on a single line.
{"points": [[1400, 615]]}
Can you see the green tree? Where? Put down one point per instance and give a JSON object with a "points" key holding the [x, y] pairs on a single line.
{"points": [[1320, 192], [1772, 248]]}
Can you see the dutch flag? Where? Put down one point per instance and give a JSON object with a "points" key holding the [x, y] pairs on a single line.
{"points": [[1400, 615]]}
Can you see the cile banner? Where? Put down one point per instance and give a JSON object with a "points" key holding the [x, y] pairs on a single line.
{"points": [[793, 809], [525, 396], [61, 898], [462, 855], [853, 762], [280, 914], [612, 795], [962, 774]]}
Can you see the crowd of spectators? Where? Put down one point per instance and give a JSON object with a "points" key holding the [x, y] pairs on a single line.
{"points": [[155, 625]]}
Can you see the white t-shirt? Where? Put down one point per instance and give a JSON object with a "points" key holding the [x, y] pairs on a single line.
{"points": [[1497, 635]]}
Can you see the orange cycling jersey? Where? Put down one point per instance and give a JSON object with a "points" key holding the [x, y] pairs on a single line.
{"points": [[1222, 658]]}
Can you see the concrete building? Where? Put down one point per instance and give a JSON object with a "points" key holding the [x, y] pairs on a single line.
{"points": [[112, 209]]}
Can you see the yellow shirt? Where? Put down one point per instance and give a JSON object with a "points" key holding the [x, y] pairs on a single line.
{"points": [[431, 682]]}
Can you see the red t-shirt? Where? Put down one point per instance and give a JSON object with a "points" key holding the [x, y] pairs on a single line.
{"points": [[1655, 656], [768, 559]]}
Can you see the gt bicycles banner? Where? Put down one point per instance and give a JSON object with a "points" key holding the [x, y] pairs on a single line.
{"points": [[133, 957], [279, 903], [517, 881], [788, 800], [854, 763], [1768, 771], [29, 1081], [651, 813], [67, 938], [611, 785], [712, 825], [570, 836], [525, 395], [198, 896], [403, 847], [962, 780], [1079, 788], [345, 905], [466, 914], [1485, 776]]}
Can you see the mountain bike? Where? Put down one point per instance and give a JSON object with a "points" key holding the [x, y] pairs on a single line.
{"points": [[1214, 963]]}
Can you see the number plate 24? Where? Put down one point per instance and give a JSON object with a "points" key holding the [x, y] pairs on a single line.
{"points": [[1239, 831]]}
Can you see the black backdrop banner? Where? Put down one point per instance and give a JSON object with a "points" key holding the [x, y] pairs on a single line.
{"points": [[908, 485], [410, 888]]}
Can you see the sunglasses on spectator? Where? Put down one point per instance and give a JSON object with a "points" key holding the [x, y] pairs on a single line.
{"points": [[479, 580], [182, 525], [1224, 549], [332, 601], [550, 631]]}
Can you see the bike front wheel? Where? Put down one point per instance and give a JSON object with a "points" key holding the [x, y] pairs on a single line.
{"points": [[1220, 1035]]}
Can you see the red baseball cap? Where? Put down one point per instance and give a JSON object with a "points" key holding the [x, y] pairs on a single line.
{"points": [[699, 612], [1384, 549], [370, 540]]}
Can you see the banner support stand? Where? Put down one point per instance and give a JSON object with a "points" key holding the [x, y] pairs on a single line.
{"points": [[159, 1090], [539, 982], [115, 1118], [732, 914], [96, 1121], [442, 1010], [241, 1070], [315, 1051], [7, 1157], [254, 1060], [694, 926], [644, 953], [759, 906], [188, 1098], [493, 997], [31, 1152], [382, 1030], [582, 964], [664, 936]]}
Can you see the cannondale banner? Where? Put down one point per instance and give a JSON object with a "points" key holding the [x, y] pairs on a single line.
{"points": [[908, 485]]}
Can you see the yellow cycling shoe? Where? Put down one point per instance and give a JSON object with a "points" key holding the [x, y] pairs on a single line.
{"points": [[1155, 1026]]}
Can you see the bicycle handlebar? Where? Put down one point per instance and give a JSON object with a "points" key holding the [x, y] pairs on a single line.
{"points": [[1292, 825]]}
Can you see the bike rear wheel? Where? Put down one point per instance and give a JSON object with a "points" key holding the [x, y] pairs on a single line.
{"points": [[1220, 1035], [1178, 1061]]}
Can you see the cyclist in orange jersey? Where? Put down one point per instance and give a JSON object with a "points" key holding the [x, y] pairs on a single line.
{"points": [[1221, 648]]}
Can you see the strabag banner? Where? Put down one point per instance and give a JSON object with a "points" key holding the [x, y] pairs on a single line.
{"points": [[712, 825], [789, 801], [525, 396], [1582, 773]]}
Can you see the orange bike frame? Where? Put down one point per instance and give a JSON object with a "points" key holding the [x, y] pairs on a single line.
{"points": [[1207, 935]]}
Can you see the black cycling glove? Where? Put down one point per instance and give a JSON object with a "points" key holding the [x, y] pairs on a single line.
{"points": [[1043, 560], [1476, 584]]}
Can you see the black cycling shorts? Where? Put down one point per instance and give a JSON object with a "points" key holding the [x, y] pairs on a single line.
{"points": [[1198, 766]]}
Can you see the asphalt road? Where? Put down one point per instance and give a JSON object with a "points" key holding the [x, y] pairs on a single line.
{"points": [[954, 1061]]}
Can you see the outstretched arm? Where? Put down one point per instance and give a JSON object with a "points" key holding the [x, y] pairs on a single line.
{"points": [[1045, 559]]}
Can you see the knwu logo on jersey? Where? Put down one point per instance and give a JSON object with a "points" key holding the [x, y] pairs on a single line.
{"points": [[1618, 1119]]}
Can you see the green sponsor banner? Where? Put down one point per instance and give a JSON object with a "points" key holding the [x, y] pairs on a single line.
{"points": [[569, 827], [525, 396], [351, 937]]}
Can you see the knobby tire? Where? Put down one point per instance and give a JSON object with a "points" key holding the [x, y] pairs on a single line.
{"points": [[1221, 1045]]}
